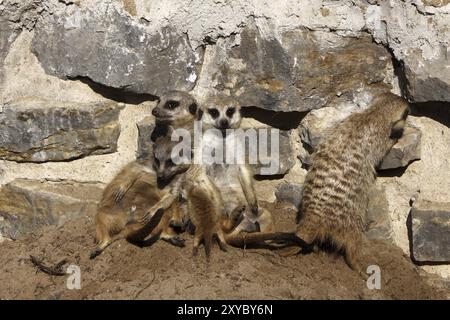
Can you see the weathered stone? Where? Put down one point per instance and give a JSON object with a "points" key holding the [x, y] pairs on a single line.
{"points": [[145, 129], [427, 80], [425, 64], [300, 71], [404, 151], [121, 53], [378, 221], [289, 192], [25, 205], [38, 130], [22, 14], [431, 231], [273, 162], [436, 3], [7, 36]]}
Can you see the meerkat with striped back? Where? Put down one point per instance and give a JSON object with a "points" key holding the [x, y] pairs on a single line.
{"points": [[335, 191]]}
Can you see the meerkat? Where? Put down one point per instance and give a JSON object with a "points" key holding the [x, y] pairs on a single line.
{"points": [[118, 213], [235, 180], [335, 191]]}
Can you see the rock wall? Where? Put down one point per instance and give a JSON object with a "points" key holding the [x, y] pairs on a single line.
{"points": [[78, 80]]}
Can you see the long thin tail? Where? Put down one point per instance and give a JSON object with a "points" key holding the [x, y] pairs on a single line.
{"points": [[243, 239], [207, 242]]}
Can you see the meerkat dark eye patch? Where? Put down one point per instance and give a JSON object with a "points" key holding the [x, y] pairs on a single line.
{"points": [[157, 162], [405, 114], [213, 112], [170, 163], [230, 112], [171, 104], [397, 129], [193, 108]]}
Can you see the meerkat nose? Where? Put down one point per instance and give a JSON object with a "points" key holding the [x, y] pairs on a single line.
{"points": [[155, 112], [223, 123]]}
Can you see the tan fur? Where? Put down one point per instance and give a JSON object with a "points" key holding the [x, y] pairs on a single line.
{"points": [[335, 192], [205, 209]]}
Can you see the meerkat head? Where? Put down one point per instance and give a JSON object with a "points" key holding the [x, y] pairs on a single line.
{"points": [[222, 112], [165, 166], [176, 108], [396, 109]]}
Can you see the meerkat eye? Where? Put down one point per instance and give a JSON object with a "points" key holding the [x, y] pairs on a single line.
{"points": [[213, 112], [171, 104], [157, 162], [230, 112]]}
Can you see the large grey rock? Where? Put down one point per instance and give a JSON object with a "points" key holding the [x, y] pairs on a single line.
{"points": [[403, 26], [430, 231], [105, 44], [427, 80], [38, 130], [26, 205], [404, 151], [298, 71]]}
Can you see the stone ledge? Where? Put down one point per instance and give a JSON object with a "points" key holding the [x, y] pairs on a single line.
{"points": [[38, 130], [25, 204]]}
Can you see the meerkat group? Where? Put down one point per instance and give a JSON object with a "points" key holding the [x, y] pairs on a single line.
{"points": [[157, 197]]}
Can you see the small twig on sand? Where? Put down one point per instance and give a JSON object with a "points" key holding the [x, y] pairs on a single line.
{"points": [[56, 270], [147, 286]]}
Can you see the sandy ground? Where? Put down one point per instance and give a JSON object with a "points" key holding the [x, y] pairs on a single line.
{"points": [[162, 271]]}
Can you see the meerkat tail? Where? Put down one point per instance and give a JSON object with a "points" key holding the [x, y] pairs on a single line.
{"points": [[207, 242], [243, 239]]}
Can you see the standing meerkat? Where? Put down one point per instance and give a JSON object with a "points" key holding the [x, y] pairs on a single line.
{"points": [[235, 180], [335, 191]]}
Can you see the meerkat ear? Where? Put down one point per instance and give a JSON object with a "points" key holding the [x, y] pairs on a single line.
{"points": [[193, 108]]}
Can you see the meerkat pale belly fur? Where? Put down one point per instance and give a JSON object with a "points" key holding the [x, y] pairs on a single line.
{"points": [[335, 192]]}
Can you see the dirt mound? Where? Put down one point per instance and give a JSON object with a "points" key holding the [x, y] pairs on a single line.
{"points": [[162, 271]]}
